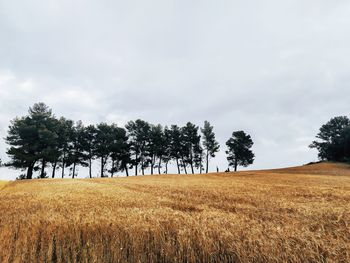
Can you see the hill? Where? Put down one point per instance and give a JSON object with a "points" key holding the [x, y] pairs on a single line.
{"points": [[298, 214]]}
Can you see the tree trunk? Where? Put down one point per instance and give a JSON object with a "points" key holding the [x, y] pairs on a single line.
{"points": [[112, 170], [184, 165], [136, 165], [152, 164], [30, 171], [207, 162], [143, 168], [54, 169], [191, 163], [236, 165], [159, 164], [178, 166], [90, 172], [73, 175], [102, 164], [192, 168], [42, 173], [63, 164], [126, 170], [166, 167]]}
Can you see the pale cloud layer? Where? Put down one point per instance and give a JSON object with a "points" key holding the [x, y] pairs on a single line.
{"points": [[277, 69]]}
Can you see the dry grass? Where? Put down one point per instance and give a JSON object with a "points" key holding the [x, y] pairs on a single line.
{"points": [[2, 184], [289, 215]]}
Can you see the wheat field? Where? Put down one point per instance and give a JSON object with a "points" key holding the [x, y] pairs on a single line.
{"points": [[2, 184], [288, 215]]}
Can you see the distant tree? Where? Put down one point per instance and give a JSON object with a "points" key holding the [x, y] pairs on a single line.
{"points": [[125, 157], [65, 132], [119, 150], [156, 146], [41, 115], [192, 150], [89, 145], [211, 146], [139, 133], [103, 141], [239, 150], [198, 158], [329, 139], [55, 151], [32, 139], [345, 142], [175, 145], [77, 154], [166, 149]]}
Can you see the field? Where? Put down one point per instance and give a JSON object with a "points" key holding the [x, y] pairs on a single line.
{"points": [[2, 184], [288, 215]]}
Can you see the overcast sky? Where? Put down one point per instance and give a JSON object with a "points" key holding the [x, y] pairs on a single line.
{"points": [[276, 69]]}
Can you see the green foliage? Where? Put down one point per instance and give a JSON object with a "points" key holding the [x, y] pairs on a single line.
{"points": [[239, 150], [191, 151], [330, 139], [77, 154], [32, 138], [211, 146], [40, 139], [139, 133], [175, 144], [156, 146], [65, 131], [120, 150], [103, 142], [89, 145]]}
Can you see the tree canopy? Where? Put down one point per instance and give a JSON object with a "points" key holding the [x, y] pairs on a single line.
{"points": [[239, 151], [332, 141], [40, 140]]}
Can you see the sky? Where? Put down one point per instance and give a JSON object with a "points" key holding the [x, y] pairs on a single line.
{"points": [[275, 69]]}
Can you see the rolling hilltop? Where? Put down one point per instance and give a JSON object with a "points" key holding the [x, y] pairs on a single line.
{"points": [[298, 214]]}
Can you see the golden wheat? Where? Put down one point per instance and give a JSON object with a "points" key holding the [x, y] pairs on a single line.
{"points": [[2, 184], [287, 215]]}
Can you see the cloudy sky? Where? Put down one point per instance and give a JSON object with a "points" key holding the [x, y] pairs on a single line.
{"points": [[276, 69]]}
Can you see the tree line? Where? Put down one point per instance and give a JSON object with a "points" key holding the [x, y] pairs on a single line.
{"points": [[40, 140]]}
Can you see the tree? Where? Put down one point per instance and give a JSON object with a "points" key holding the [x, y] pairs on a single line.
{"points": [[119, 150], [56, 150], [125, 157], [32, 138], [329, 139], [103, 141], [239, 150], [89, 144], [198, 158], [166, 149], [64, 130], [191, 150], [211, 146], [175, 145], [156, 146], [77, 154], [138, 133], [345, 142], [42, 117]]}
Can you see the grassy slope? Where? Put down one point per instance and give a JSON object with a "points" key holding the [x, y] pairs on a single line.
{"points": [[297, 214]]}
